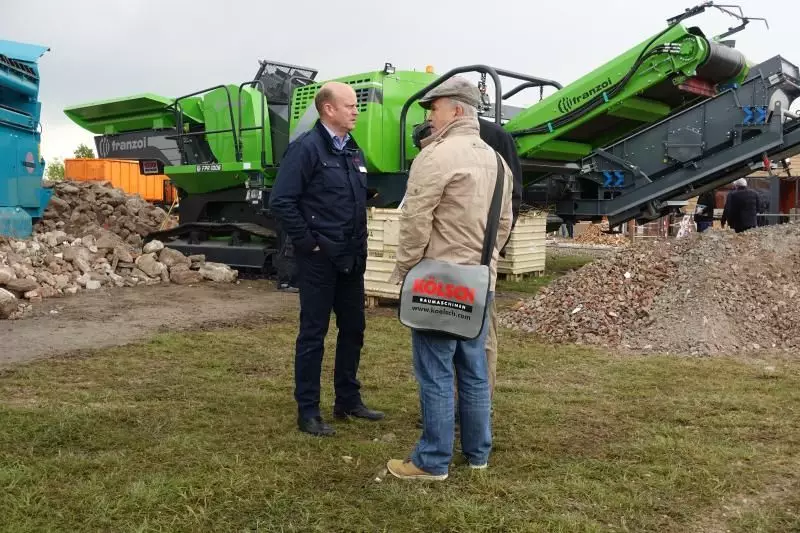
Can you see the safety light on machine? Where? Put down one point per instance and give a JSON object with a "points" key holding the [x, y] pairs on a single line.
{"points": [[388, 69], [429, 69]]}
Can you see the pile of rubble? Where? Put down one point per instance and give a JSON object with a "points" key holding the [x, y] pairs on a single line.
{"points": [[711, 293], [91, 236], [595, 234]]}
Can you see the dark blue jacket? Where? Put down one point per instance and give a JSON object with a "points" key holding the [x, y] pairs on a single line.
{"points": [[741, 209], [320, 198]]}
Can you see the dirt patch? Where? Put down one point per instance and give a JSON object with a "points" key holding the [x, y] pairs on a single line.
{"points": [[776, 495], [117, 316]]}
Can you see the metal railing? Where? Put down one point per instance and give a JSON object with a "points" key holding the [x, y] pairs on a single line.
{"points": [[530, 81]]}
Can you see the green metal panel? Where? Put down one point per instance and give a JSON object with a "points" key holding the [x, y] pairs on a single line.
{"points": [[219, 111], [380, 97], [254, 107], [640, 109], [397, 89], [656, 69], [132, 113], [558, 150], [199, 179]]}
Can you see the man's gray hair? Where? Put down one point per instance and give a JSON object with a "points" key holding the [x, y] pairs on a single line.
{"points": [[469, 111]]}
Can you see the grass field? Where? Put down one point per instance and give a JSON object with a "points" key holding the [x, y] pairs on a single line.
{"points": [[196, 432]]}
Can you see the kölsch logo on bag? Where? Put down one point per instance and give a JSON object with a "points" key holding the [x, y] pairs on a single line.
{"points": [[448, 298], [443, 297], [432, 291]]}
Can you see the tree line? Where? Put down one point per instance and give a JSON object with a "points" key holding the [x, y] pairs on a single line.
{"points": [[54, 170]]}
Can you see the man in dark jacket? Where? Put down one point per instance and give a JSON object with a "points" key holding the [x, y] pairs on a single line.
{"points": [[320, 196], [498, 138], [741, 207]]}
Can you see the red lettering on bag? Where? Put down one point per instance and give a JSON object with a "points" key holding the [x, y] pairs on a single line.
{"points": [[419, 285], [434, 287]]}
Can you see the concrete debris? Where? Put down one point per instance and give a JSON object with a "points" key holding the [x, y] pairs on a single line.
{"points": [[91, 237], [218, 272], [712, 293], [596, 234], [8, 303]]}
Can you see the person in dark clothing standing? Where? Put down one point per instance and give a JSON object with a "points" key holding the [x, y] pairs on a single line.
{"points": [[320, 196], [498, 138], [285, 264], [763, 207], [704, 217], [741, 207]]}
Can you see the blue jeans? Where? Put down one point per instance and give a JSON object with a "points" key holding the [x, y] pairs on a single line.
{"points": [[435, 359]]}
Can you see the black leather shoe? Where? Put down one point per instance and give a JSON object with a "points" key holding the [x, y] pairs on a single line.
{"points": [[357, 412], [315, 426]]}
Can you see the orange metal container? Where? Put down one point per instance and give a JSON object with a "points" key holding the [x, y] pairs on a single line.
{"points": [[124, 175]]}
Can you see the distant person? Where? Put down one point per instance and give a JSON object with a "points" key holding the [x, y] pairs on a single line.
{"points": [[285, 265], [741, 207], [704, 216], [763, 207]]}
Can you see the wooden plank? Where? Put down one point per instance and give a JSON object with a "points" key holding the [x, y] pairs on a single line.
{"points": [[520, 276]]}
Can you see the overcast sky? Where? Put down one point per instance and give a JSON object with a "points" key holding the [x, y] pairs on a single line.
{"points": [[113, 48]]}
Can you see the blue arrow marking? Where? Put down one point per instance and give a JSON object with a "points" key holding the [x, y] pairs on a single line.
{"points": [[620, 178], [748, 114], [762, 115], [607, 176]]}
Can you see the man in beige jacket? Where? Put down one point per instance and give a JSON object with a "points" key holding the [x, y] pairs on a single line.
{"points": [[444, 217]]}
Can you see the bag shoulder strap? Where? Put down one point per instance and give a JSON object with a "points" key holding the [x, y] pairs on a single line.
{"points": [[493, 222]]}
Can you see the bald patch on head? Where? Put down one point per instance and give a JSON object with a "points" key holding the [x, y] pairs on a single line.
{"points": [[330, 92]]}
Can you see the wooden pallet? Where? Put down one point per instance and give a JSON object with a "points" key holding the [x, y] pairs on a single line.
{"points": [[383, 230], [520, 276], [526, 250], [373, 301]]}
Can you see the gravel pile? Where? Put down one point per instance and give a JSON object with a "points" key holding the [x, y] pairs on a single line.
{"points": [[711, 293]]}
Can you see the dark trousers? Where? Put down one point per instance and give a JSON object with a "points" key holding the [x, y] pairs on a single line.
{"points": [[284, 263], [322, 289], [703, 225]]}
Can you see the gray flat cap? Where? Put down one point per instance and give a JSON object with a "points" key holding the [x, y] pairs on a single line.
{"points": [[456, 88]]}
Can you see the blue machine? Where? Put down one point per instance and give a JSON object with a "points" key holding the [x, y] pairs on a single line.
{"points": [[23, 199]]}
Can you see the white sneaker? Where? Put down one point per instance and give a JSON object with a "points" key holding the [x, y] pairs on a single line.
{"points": [[484, 466]]}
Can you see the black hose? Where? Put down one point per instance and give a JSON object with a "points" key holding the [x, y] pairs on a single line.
{"points": [[592, 104]]}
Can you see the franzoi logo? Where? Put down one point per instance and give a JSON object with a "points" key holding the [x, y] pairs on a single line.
{"points": [[566, 104], [108, 147], [135, 144], [104, 146]]}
